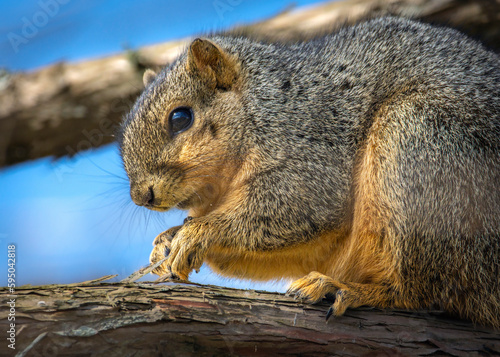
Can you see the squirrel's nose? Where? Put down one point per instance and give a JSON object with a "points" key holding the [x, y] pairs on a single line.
{"points": [[143, 196]]}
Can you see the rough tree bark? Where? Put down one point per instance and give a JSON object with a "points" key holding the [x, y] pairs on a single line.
{"points": [[67, 107], [144, 319]]}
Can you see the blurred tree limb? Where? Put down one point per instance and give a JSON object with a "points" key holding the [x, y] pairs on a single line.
{"points": [[144, 319], [68, 107]]}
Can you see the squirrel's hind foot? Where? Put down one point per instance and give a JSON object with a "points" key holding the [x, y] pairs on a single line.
{"points": [[313, 287], [316, 286]]}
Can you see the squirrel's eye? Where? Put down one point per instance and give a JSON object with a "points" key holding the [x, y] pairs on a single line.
{"points": [[180, 119]]}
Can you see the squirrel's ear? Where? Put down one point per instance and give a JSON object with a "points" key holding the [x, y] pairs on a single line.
{"points": [[148, 77], [212, 63]]}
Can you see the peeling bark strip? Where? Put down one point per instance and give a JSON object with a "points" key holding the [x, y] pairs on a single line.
{"points": [[130, 319], [65, 108]]}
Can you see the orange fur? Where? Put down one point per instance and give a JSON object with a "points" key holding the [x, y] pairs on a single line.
{"points": [[286, 263], [361, 267]]}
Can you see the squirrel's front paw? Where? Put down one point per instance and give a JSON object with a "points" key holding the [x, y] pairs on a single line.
{"points": [[187, 252], [162, 245]]}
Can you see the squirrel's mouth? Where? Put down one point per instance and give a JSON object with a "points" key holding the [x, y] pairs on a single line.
{"points": [[184, 204], [157, 208]]}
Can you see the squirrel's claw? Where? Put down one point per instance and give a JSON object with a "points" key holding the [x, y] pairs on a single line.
{"points": [[329, 313], [299, 295], [339, 306], [167, 277], [343, 299]]}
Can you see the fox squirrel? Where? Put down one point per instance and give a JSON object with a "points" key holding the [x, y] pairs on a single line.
{"points": [[365, 164]]}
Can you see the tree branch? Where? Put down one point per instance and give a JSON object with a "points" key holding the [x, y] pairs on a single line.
{"points": [[144, 319]]}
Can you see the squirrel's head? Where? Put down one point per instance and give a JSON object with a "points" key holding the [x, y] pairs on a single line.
{"points": [[179, 143]]}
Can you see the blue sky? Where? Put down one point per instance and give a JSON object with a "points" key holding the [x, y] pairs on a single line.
{"points": [[72, 219], [72, 30]]}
